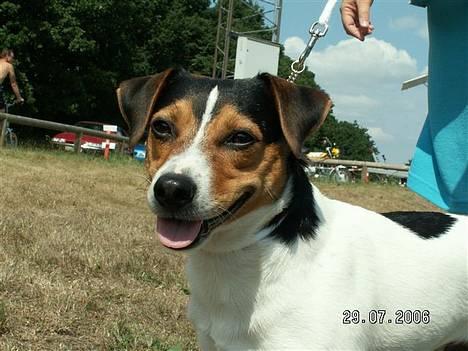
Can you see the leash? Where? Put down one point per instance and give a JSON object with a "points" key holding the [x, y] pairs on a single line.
{"points": [[317, 30]]}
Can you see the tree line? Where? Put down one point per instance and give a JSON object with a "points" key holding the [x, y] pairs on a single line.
{"points": [[71, 55]]}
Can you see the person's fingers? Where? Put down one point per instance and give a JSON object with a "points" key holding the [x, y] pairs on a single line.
{"points": [[363, 7], [349, 18], [352, 28], [364, 32]]}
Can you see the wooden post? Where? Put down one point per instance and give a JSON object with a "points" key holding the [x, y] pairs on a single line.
{"points": [[107, 148], [3, 130], [364, 174], [77, 145], [108, 129]]}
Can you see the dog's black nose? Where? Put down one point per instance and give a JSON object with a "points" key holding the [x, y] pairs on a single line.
{"points": [[174, 191]]}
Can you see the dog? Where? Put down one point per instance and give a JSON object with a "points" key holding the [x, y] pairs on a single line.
{"points": [[272, 263]]}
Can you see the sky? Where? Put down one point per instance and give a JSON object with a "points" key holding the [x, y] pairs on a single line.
{"points": [[364, 78]]}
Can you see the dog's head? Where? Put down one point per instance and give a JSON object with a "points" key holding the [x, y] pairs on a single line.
{"points": [[218, 151]]}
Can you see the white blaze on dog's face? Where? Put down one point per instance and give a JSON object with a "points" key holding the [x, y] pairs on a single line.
{"points": [[217, 151]]}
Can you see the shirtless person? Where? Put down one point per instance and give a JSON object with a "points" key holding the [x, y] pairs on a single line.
{"points": [[6, 69]]}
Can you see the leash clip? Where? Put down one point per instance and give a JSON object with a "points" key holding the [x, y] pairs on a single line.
{"points": [[298, 66], [317, 30]]}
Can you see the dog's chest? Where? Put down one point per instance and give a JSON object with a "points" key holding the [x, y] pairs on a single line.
{"points": [[247, 302], [226, 301], [226, 324], [242, 313], [237, 323]]}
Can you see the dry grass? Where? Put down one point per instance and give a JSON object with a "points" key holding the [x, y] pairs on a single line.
{"points": [[79, 268], [377, 197]]}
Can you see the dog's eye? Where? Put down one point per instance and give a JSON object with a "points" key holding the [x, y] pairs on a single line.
{"points": [[162, 129], [239, 139]]}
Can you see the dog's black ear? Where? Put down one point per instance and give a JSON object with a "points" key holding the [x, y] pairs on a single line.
{"points": [[136, 99], [301, 110]]}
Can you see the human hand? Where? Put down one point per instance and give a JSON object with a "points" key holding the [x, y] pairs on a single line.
{"points": [[19, 100], [355, 18]]}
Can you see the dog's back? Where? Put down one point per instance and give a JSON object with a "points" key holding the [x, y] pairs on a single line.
{"points": [[363, 282]]}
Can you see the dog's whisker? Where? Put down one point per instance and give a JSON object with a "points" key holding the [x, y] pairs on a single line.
{"points": [[270, 193], [144, 177]]}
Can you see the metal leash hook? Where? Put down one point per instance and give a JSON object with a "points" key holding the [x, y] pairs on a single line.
{"points": [[317, 30]]}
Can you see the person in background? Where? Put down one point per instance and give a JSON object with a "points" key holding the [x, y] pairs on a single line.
{"points": [[439, 168], [7, 70]]}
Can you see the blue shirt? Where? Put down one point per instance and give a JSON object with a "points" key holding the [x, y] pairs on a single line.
{"points": [[439, 169]]}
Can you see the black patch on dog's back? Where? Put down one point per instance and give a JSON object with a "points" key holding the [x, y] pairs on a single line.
{"points": [[299, 219], [426, 225]]}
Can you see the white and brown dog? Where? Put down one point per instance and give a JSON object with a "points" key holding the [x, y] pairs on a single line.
{"points": [[272, 263]]}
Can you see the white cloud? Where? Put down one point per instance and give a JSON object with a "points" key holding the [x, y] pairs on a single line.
{"points": [[364, 81], [362, 100], [363, 62], [355, 105], [294, 46]]}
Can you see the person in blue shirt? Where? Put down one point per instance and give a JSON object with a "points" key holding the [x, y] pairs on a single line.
{"points": [[439, 168]]}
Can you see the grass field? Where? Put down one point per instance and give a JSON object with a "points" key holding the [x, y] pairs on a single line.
{"points": [[79, 266]]}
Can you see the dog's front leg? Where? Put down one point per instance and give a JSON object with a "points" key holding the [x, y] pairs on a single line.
{"points": [[205, 341]]}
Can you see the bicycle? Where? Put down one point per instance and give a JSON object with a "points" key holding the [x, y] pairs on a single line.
{"points": [[338, 173], [11, 139]]}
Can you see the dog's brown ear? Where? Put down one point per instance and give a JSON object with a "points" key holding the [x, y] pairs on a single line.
{"points": [[136, 99], [301, 110]]}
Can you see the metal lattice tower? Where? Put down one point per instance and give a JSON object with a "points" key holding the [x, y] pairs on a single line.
{"points": [[270, 11]]}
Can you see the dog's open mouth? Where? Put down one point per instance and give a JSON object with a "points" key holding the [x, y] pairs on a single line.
{"points": [[183, 234]]}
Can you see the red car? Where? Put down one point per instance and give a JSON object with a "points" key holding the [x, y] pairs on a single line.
{"points": [[66, 140]]}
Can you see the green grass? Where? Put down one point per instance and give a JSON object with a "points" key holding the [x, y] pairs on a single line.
{"points": [[125, 337]]}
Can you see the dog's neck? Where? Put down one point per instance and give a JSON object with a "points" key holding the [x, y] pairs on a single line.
{"points": [[282, 242], [299, 219], [290, 218]]}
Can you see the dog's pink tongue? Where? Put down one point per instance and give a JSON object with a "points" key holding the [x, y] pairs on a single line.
{"points": [[177, 234]]}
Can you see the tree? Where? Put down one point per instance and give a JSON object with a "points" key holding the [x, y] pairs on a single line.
{"points": [[71, 54], [306, 78], [353, 141]]}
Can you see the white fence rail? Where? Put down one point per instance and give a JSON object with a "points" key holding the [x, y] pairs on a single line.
{"points": [[6, 118], [366, 167]]}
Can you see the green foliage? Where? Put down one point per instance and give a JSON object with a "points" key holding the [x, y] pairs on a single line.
{"points": [[306, 78], [353, 141], [71, 55]]}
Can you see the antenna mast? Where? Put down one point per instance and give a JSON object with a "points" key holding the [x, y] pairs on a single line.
{"points": [[270, 11]]}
